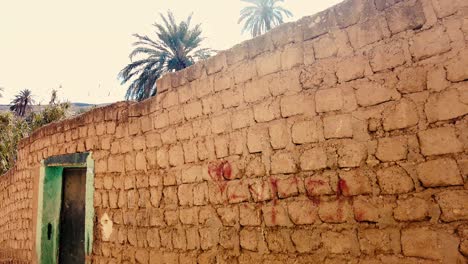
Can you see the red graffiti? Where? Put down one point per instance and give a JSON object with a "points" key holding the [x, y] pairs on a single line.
{"points": [[219, 173], [314, 199], [273, 215], [339, 210], [274, 189], [227, 170], [312, 184], [236, 197], [274, 186], [255, 193], [360, 215], [342, 188]]}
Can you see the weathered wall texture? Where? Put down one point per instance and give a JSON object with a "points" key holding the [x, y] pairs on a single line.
{"points": [[341, 138]]}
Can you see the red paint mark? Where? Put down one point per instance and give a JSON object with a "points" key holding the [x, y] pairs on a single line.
{"points": [[359, 215], [235, 197], [274, 189], [274, 186], [314, 199], [339, 210], [254, 192], [273, 215], [342, 188], [227, 170], [295, 181], [219, 172], [312, 184]]}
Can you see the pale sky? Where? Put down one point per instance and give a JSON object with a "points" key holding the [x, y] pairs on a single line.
{"points": [[82, 45]]}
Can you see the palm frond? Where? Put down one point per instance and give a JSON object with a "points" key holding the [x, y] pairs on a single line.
{"points": [[262, 15], [176, 46]]}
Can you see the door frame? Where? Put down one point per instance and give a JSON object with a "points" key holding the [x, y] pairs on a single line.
{"points": [[50, 201]]}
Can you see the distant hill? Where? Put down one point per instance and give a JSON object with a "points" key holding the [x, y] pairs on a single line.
{"points": [[75, 107]]}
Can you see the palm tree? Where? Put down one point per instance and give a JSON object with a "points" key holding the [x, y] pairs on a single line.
{"points": [[22, 103], [53, 97], [262, 16], [176, 47]]}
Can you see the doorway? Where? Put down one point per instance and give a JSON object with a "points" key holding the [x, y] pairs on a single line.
{"points": [[64, 230], [72, 216]]}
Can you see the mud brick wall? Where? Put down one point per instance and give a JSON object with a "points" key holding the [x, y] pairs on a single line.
{"points": [[339, 138]]}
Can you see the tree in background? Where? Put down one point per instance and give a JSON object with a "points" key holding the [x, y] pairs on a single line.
{"points": [[12, 130], [53, 97], [14, 127], [177, 46], [22, 103], [55, 111], [1, 90], [262, 16]]}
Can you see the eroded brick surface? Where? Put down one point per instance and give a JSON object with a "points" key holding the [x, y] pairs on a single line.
{"points": [[340, 138]]}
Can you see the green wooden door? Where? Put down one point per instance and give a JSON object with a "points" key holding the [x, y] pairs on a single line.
{"points": [[52, 197]]}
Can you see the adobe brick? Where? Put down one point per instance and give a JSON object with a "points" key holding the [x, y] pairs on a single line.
{"points": [[394, 180], [305, 132], [242, 118], [287, 186], [291, 56], [401, 115], [337, 211], [276, 215], [373, 93], [305, 240], [444, 8], [351, 154], [374, 241], [216, 63], [445, 105], [344, 242], [351, 68], [411, 209], [193, 110], [268, 63], [313, 159], [279, 241], [245, 71], [392, 149], [283, 162], [249, 239], [237, 191], [297, 104], [249, 215], [260, 190], [405, 16], [221, 123], [440, 172], [257, 139], [303, 212], [412, 80], [318, 24], [429, 43], [438, 141], [318, 185], [387, 56], [267, 110], [430, 244], [366, 33], [354, 182], [456, 69], [329, 100], [338, 126], [279, 134], [453, 204], [256, 90]]}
